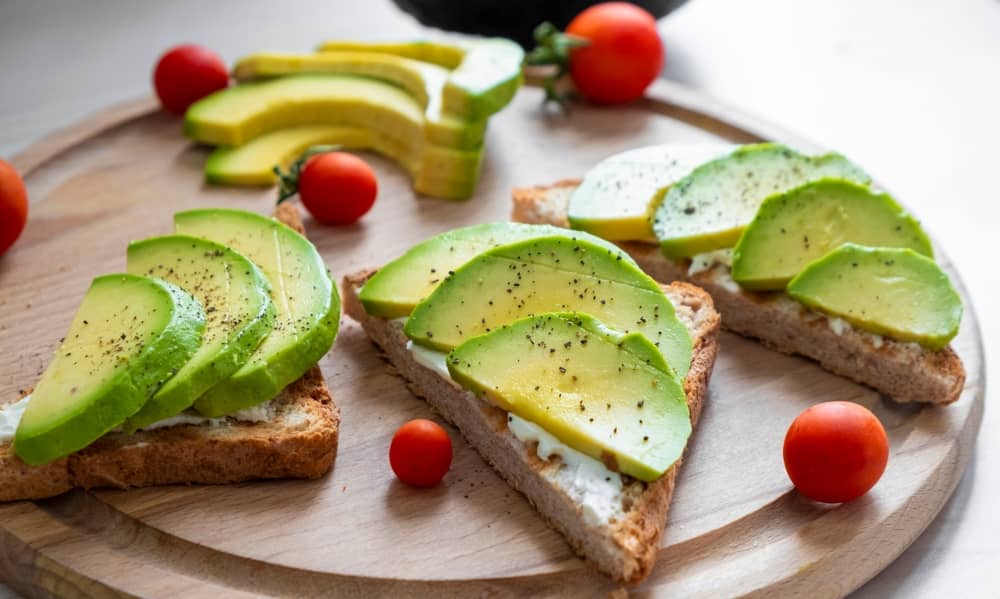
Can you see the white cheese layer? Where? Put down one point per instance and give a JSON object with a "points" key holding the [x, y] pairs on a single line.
{"points": [[587, 481], [706, 261], [429, 358], [597, 490], [259, 413], [10, 417]]}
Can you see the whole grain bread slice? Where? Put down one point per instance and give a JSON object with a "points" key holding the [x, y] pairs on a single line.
{"points": [[902, 371], [624, 549], [298, 440]]}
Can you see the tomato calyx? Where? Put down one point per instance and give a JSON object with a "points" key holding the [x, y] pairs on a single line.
{"points": [[288, 182], [553, 48]]}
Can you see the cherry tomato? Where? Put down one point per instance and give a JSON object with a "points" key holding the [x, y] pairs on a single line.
{"points": [[624, 54], [186, 74], [420, 453], [835, 451], [337, 188], [13, 206]]}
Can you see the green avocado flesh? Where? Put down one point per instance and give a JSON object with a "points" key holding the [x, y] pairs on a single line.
{"points": [[305, 299], [607, 395], [549, 274], [616, 198], [794, 228], [708, 209], [484, 76], [235, 115], [129, 336], [425, 82], [396, 289], [487, 79], [239, 314], [437, 171], [889, 291]]}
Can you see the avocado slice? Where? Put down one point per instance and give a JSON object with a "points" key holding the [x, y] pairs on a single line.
{"points": [[486, 81], [396, 289], [889, 291], [608, 395], [306, 302], [424, 81], [448, 56], [485, 74], [794, 228], [545, 274], [240, 113], [708, 209], [129, 336], [239, 314], [437, 171], [616, 198]]}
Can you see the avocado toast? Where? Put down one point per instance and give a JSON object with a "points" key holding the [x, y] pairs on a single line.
{"points": [[294, 434], [899, 367], [522, 387]]}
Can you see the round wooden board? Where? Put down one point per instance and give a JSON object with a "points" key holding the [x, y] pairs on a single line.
{"points": [[736, 527]]}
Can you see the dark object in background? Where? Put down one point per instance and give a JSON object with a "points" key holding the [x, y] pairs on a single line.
{"points": [[514, 19]]}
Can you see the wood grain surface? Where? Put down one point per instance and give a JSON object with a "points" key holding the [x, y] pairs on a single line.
{"points": [[736, 527]]}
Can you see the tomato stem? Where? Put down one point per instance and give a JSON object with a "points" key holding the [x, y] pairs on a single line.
{"points": [[288, 182], [553, 48]]}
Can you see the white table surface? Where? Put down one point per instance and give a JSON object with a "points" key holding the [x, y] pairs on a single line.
{"points": [[908, 88]]}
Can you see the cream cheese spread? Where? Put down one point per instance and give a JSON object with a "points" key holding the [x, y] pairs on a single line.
{"points": [[837, 325], [706, 261], [429, 358], [258, 413], [10, 417], [587, 481]]}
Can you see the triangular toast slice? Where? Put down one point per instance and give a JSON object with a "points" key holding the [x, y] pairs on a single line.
{"points": [[625, 548], [902, 371], [296, 439]]}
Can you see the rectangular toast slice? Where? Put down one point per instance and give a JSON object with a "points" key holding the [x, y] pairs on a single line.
{"points": [[623, 548], [902, 371], [297, 440]]}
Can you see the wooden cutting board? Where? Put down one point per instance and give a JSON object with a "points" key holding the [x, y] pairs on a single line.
{"points": [[736, 526]]}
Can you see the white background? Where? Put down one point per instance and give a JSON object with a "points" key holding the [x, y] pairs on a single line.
{"points": [[908, 88]]}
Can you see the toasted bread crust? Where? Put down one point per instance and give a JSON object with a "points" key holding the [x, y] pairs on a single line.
{"points": [[626, 549], [300, 441], [903, 371]]}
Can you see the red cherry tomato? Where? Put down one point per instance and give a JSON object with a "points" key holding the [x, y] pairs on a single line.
{"points": [[337, 188], [835, 451], [186, 74], [624, 54], [420, 453], [13, 206]]}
